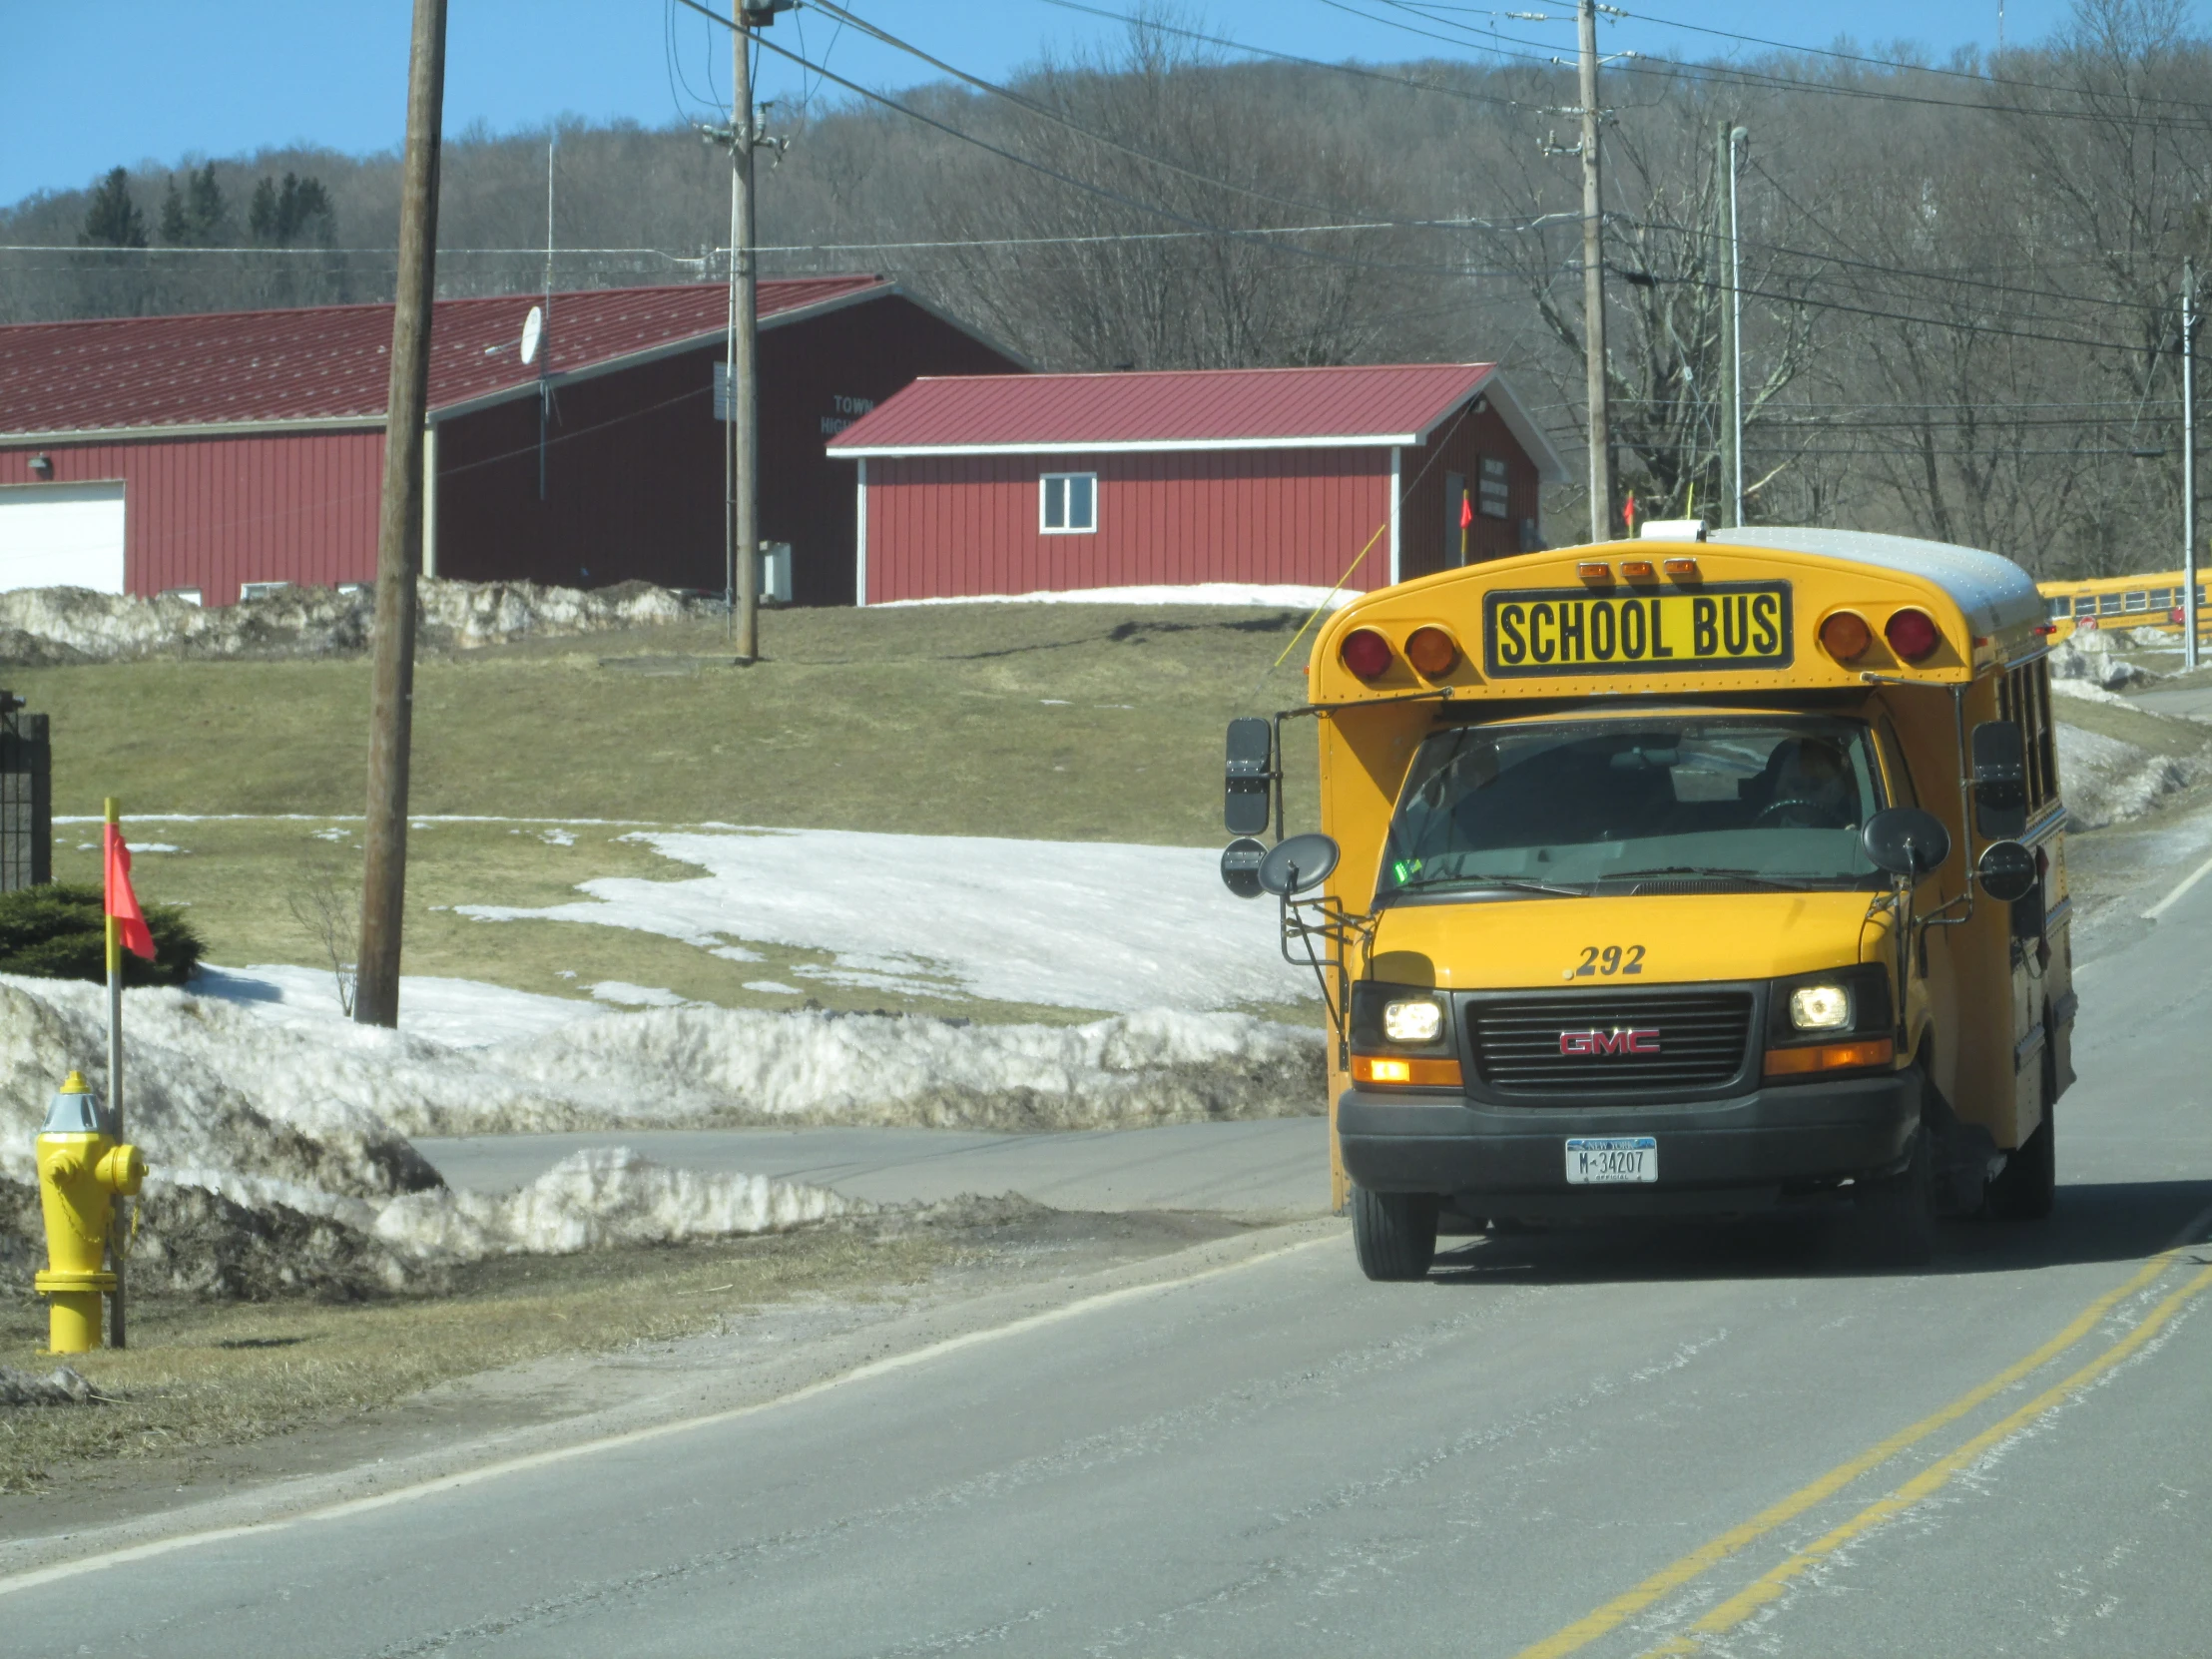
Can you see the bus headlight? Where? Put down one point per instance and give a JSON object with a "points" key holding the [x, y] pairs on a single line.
{"points": [[1820, 1007], [1412, 1022]]}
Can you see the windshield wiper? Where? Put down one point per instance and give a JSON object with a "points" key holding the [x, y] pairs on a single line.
{"points": [[1515, 882], [1715, 873]]}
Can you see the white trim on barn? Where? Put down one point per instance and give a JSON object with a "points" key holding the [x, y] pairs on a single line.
{"points": [[859, 542], [430, 499], [1397, 457]]}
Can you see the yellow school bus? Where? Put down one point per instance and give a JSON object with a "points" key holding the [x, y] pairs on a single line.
{"points": [[1680, 878], [2153, 601]]}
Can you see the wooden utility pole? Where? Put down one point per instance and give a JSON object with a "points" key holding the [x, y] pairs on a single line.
{"points": [[1593, 287], [745, 355], [399, 530]]}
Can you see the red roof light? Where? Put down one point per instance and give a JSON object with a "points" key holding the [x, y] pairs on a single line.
{"points": [[1913, 634], [1366, 653]]}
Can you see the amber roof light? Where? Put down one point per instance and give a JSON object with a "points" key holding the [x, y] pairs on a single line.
{"points": [[1594, 571], [1844, 636], [1639, 570], [1433, 652], [1682, 570]]}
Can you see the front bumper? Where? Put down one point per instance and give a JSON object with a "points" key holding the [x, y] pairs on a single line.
{"points": [[1720, 1156]]}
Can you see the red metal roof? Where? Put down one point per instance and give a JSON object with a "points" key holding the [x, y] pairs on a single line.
{"points": [[1237, 408], [331, 363]]}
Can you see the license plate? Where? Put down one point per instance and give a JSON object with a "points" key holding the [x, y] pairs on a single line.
{"points": [[1723, 626], [1600, 1160]]}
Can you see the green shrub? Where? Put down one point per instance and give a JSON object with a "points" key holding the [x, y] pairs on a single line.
{"points": [[59, 931]]}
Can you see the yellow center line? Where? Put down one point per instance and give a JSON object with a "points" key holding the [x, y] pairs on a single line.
{"points": [[1770, 1585], [1706, 1556]]}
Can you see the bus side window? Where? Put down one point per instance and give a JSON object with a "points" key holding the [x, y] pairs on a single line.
{"points": [[2085, 605], [1902, 792], [2108, 604], [2047, 736], [2138, 601], [2061, 609]]}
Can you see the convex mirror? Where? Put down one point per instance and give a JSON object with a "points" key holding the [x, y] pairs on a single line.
{"points": [[2000, 779], [1297, 864], [1907, 840], [2008, 872], [1239, 866]]}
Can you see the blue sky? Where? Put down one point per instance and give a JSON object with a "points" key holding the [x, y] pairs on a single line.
{"points": [[222, 77]]}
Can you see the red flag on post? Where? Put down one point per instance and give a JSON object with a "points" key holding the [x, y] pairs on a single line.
{"points": [[1467, 510], [122, 903]]}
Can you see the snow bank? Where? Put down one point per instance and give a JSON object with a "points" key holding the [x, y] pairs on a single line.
{"points": [[278, 1129], [593, 1200], [2107, 781], [2089, 657], [1069, 925], [1282, 596], [54, 625]]}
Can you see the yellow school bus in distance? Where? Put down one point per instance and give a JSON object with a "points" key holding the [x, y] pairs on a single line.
{"points": [[2153, 601], [1680, 878]]}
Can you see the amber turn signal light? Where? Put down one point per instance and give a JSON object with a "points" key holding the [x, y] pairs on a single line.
{"points": [[1405, 1073], [1913, 634], [1433, 652], [1640, 570], [1797, 1062], [1594, 572], [1366, 652], [1682, 570], [1845, 637]]}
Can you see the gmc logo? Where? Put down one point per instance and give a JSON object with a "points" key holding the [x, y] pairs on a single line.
{"points": [[1615, 1041]]}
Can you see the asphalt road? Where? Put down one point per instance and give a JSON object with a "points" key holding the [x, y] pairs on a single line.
{"points": [[1726, 1440]]}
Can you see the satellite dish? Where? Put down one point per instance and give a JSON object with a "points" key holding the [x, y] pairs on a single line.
{"points": [[1293, 867], [533, 330]]}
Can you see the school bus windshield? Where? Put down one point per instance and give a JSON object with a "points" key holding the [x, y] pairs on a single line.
{"points": [[1579, 805]]}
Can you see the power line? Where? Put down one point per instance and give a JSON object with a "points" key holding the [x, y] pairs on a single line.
{"points": [[1637, 63]]}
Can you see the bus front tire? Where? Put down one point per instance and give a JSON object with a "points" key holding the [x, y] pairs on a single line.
{"points": [[1394, 1234], [2024, 1188], [1896, 1215]]}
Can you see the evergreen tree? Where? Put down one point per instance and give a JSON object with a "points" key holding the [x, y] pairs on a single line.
{"points": [[296, 211], [174, 231], [112, 219], [206, 213]]}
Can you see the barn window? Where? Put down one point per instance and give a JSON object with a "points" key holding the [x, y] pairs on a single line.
{"points": [[1069, 504]]}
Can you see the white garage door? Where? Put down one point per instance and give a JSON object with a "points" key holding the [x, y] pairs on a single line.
{"points": [[62, 536]]}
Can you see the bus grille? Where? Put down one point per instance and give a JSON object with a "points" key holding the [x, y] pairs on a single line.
{"points": [[1522, 1046]]}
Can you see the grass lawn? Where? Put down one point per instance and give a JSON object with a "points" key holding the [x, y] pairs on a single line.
{"points": [[1057, 722]]}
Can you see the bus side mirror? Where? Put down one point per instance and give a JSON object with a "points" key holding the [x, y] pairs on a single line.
{"points": [[1239, 866], [2000, 779], [1247, 787], [1906, 842], [2008, 872]]}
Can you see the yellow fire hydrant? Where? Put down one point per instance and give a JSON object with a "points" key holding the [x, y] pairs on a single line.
{"points": [[80, 1172]]}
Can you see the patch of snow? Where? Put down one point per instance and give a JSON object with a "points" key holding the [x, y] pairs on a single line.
{"points": [[461, 1013], [1281, 596], [1073, 924], [773, 985], [155, 847], [558, 837], [2107, 781], [59, 1386], [597, 1199], [636, 996], [2089, 692], [2088, 655]]}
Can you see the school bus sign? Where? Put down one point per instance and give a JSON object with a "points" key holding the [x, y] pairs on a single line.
{"points": [[1730, 625]]}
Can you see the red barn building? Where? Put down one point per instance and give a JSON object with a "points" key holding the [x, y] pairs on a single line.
{"points": [[1011, 485], [204, 453]]}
